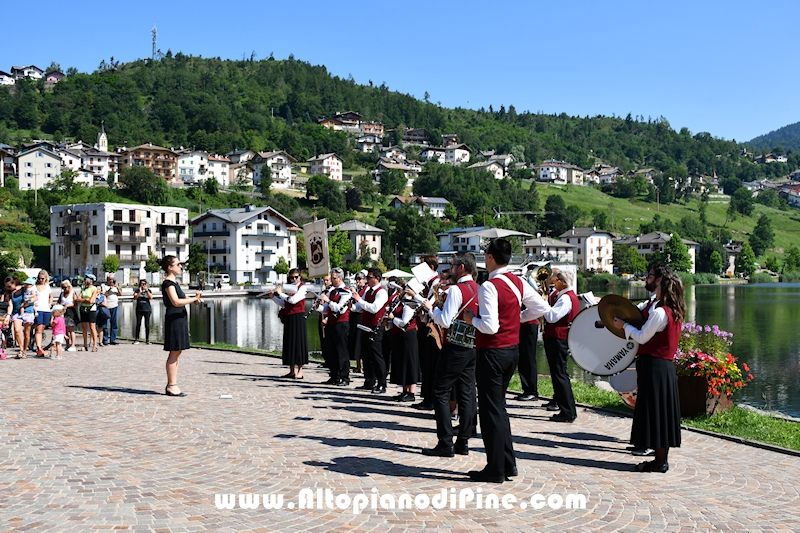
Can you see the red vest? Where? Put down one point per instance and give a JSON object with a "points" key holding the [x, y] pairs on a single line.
{"points": [[426, 291], [412, 325], [559, 330], [296, 308], [468, 290], [336, 295], [664, 343], [508, 310], [371, 320]]}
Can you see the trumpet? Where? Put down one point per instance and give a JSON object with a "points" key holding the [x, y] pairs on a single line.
{"points": [[541, 275]]}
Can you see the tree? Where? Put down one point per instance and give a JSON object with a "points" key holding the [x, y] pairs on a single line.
{"points": [[600, 220], [791, 261], [197, 259], [266, 178], [281, 267], [715, 263], [450, 211], [741, 202], [152, 264], [211, 187], [65, 182], [763, 236], [393, 182], [745, 262], [143, 186], [352, 198], [364, 184], [339, 245], [772, 264], [676, 254], [110, 264], [627, 260]]}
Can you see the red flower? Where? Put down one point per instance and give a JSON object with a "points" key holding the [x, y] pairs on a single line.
{"points": [[750, 377], [746, 368]]}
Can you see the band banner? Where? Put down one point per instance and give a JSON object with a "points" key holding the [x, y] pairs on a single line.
{"points": [[316, 234]]}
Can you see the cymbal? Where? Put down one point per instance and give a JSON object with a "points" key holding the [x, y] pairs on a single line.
{"points": [[613, 305]]}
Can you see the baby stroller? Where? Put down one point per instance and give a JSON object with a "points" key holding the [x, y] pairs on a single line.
{"points": [[11, 342]]}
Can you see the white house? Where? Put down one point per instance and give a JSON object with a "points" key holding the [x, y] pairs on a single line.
{"points": [[279, 164], [457, 154], [453, 240], [493, 167], [82, 235], [434, 153], [393, 152], [595, 248], [655, 241], [368, 143], [246, 243], [72, 159], [219, 168], [8, 163], [560, 172], [192, 166], [37, 166], [425, 204], [550, 249], [365, 239], [240, 156], [330, 164], [6, 78], [241, 173], [28, 71]]}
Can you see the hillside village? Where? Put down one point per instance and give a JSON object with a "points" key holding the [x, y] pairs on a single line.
{"points": [[248, 242]]}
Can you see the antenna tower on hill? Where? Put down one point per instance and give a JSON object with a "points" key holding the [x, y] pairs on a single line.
{"points": [[155, 33]]}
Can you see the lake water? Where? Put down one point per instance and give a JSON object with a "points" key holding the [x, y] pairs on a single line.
{"points": [[764, 320]]}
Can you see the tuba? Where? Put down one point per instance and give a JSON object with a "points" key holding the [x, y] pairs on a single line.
{"points": [[435, 331], [540, 276]]}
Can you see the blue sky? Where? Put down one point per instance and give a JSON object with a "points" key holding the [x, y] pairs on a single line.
{"points": [[729, 68]]}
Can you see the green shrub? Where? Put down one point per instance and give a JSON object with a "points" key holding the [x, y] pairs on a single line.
{"points": [[687, 278], [706, 278], [761, 277], [790, 277], [603, 281]]}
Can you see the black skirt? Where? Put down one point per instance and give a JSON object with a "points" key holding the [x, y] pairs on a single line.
{"points": [[295, 340], [657, 415], [405, 358], [176, 331]]}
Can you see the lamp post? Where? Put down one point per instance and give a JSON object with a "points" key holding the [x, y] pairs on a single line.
{"points": [[396, 255]]}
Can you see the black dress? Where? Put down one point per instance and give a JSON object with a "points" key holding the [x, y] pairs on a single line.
{"points": [[176, 321]]}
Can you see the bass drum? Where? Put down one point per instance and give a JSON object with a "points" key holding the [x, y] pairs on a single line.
{"points": [[595, 349]]}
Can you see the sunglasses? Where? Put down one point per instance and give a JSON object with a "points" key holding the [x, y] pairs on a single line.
{"points": [[41, 279]]}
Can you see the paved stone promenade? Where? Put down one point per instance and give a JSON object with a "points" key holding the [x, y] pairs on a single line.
{"points": [[90, 443]]}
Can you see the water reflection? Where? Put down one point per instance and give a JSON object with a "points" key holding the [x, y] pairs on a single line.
{"points": [[763, 318]]}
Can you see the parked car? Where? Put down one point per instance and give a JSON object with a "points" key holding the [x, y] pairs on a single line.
{"points": [[99, 178], [56, 280]]}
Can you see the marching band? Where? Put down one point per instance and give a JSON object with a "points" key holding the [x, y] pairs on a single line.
{"points": [[460, 339]]}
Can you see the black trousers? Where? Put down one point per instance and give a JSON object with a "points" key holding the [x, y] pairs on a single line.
{"points": [[146, 316], [455, 370], [429, 354], [528, 336], [495, 368], [336, 340], [557, 351], [372, 358]]}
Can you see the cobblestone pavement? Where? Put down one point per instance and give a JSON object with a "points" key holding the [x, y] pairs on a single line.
{"points": [[91, 443]]}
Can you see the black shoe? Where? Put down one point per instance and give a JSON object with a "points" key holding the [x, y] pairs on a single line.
{"points": [[423, 406], [380, 389], [290, 375], [650, 466], [343, 383], [396, 397], [461, 448], [643, 452], [331, 381], [561, 417], [481, 475], [439, 451], [512, 473], [114, 343], [526, 397], [365, 387], [407, 397], [552, 407]]}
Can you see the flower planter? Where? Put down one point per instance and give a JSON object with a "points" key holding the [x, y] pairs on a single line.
{"points": [[697, 401]]}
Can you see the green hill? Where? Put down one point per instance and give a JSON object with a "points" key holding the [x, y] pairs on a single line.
{"points": [[787, 138]]}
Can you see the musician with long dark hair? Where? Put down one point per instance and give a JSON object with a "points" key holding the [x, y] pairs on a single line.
{"points": [[292, 313], [455, 369], [405, 351], [354, 335], [657, 416], [428, 349]]}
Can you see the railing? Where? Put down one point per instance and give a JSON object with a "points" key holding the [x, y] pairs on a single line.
{"points": [[132, 258], [265, 268], [213, 233], [172, 223], [265, 252], [266, 234], [75, 238], [170, 240], [126, 238], [216, 250], [79, 218], [219, 266]]}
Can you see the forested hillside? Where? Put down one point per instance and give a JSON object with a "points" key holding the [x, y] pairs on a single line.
{"points": [[787, 137], [219, 105]]}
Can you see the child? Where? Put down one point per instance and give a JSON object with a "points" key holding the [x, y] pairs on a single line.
{"points": [[2, 344], [59, 330]]}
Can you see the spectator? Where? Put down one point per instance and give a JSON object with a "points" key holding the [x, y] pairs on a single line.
{"points": [[44, 302], [86, 299], [59, 331], [112, 292], [71, 318], [144, 311]]}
